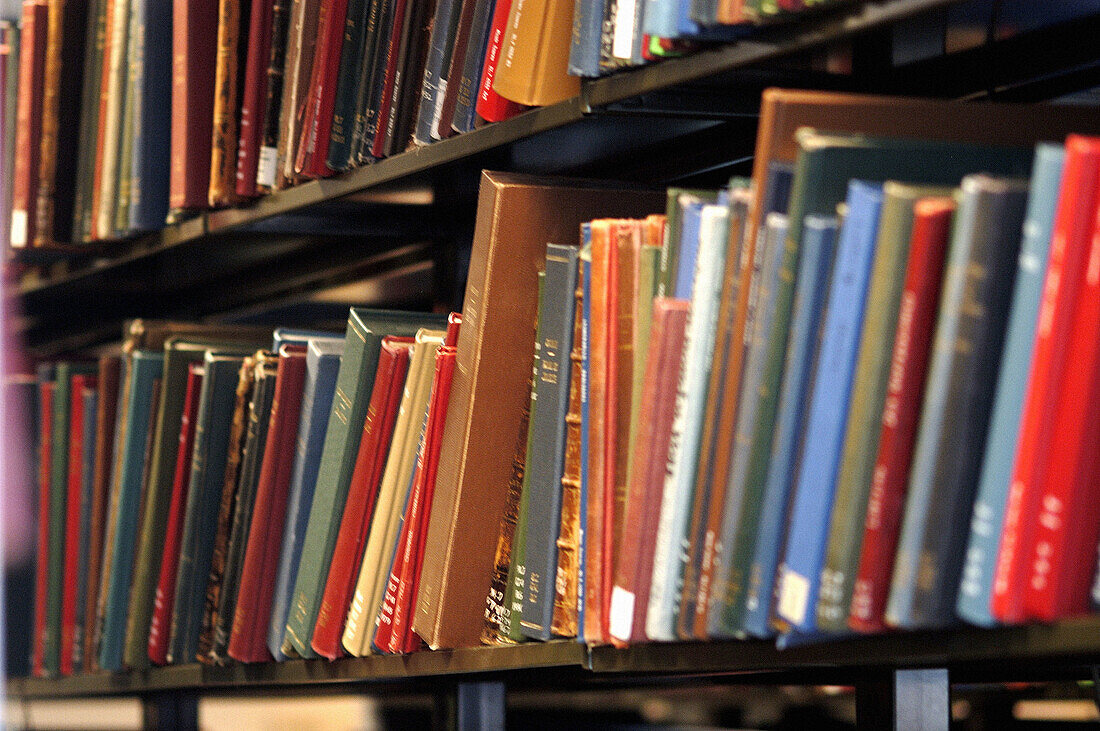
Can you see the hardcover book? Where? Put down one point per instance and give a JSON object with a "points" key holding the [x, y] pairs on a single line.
{"points": [[320, 95], [28, 135], [194, 49], [46, 390], [148, 204], [232, 45], [535, 54], [267, 162], [254, 94]]}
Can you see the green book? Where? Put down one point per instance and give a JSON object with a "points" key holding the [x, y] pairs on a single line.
{"points": [[132, 64], [670, 249], [59, 488], [179, 353], [649, 263], [365, 331], [880, 319], [89, 119]]}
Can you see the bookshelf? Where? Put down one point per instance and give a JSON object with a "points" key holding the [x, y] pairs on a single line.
{"points": [[284, 243]]}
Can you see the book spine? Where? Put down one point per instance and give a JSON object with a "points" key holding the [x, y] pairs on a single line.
{"points": [[81, 660], [377, 145], [470, 34], [585, 277], [59, 484], [255, 95], [9, 54], [491, 106], [434, 84], [153, 120], [32, 63], [267, 155], [194, 49], [460, 111], [70, 635], [350, 81], [131, 69], [584, 45], [317, 125], [232, 35], [46, 390], [113, 122], [410, 69], [901, 410], [301, 39]]}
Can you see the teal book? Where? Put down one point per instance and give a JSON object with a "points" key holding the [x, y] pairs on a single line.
{"points": [[976, 583], [365, 331], [671, 553], [208, 464], [962, 377], [87, 484], [861, 438], [130, 468]]}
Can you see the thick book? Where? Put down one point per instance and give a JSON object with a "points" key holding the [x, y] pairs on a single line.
{"points": [[46, 390], [28, 136], [254, 95], [232, 46], [800, 567], [374, 447], [490, 105], [365, 331], [204, 491], [322, 366], [758, 546], [268, 153], [633, 572], [897, 423], [143, 378], [1072, 229], [157, 644], [71, 554], [962, 375], [321, 93], [152, 118], [976, 584], [861, 436], [517, 217], [194, 50]]}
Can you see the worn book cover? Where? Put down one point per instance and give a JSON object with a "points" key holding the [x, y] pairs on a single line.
{"points": [[28, 135], [194, 52]]}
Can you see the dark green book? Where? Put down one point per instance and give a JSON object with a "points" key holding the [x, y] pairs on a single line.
{"points": [[59, 488], [133, 62], [857, 461], [89, 120], [348, 83], [365, 331]]}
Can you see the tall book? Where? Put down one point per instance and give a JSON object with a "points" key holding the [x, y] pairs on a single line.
{"points": [[194, 49], [32, 69], [152, 116], [254, 95], [976, 584], [517, 217], [120, 210], [901, 410], [444, 26], [981, 265], [232, 47], [365, 331]]}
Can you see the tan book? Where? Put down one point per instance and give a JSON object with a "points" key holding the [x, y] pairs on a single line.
{"points": [[301, 39], [517, 216], [535, 54], [232, 39], [112, 128]]}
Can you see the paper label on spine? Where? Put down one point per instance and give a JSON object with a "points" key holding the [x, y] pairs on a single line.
{"points": [[622, 613], [18, 228], [265, 168], [437, 112], [793, 597], [623, 44]]}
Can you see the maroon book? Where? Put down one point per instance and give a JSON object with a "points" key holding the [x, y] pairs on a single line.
{"points": [[393, 46], [374, 446], [254, 97], [194, 56], [317, 126], [72, 524], [28, 119], [248, 636]]}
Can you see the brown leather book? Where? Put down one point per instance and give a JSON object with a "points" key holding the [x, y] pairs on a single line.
{"points": [[32, 69], [301, 43], [233, 26], [517, 216], [194, 46], [564, 622]]}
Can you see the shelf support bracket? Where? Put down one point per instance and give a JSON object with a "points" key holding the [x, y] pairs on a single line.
{"points": [[905, 700], [480, 706], [171, 710]]}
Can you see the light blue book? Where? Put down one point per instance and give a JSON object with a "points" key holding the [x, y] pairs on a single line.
{"points": [[145, 368], [584, 48], [976, 586], [691, 211], [585, 275], [773, 249], [322, 365], [672, 551], [800, 569], [759, 547]]}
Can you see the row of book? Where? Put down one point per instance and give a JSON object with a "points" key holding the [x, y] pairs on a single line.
{"points": [[838, 396], [121, 113]]}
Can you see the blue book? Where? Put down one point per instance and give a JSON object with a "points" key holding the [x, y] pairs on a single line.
{"points": [[687, 249], [152, 114], [145, 369], [671, 553], [294, 336], [212, 424], [777, 190], [91, 399], [976, 585], [758, 547], [465, 113], [585, 275], [584, 49], [962, 377], [803, 554], [322, 365]]}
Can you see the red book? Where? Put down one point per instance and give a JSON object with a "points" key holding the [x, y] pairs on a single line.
{"points": [[491, 106], [378, 145], [161, 625], [415, 527], [194, 55], [248, 636], [630, 595], [41, 577], [72, 519], [1061, 561], [28, 119], [912, 347], [254, 97], [1073, 229], [374, 446], [317, 125]]}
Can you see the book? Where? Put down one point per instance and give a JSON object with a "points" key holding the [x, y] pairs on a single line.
{"points": [[901, 409], [490, 105], [535, 53], [351, 81], [255, 94], [861, 436], [981, 264], [9, 76], [411, 48], [517, 217], [365, 331], [229, 68], [312, 149], [976, 584], [444, 27], [90, 397], [46, 390], [374, 446], [297, 71], [459, 111], [98, 160], [372, 81], [268, 153], [812, 494], [70, 635], [115, 90], [152, 121], [120, 210], [194, 49], [28, 121], [322, 366]]}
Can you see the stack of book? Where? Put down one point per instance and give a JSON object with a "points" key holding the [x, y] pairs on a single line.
{"points": [[835, 397], [119, 114]]}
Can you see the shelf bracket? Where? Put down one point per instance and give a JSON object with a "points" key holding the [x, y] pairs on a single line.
{"points": [[173, 709], [480, 705], [905, 700]]}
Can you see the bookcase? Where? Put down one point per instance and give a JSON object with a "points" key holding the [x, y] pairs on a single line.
{"points": [[687, 120]]}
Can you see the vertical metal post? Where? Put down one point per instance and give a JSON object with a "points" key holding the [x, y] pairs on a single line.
{"points": [[171, 710], [480, 706], [905, 700]]}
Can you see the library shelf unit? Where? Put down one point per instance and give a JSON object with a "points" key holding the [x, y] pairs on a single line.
{"points": [[684, 121]]}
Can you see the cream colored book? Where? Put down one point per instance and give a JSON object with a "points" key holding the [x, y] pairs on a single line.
{"points": [[374, 571], [112, 137]]}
